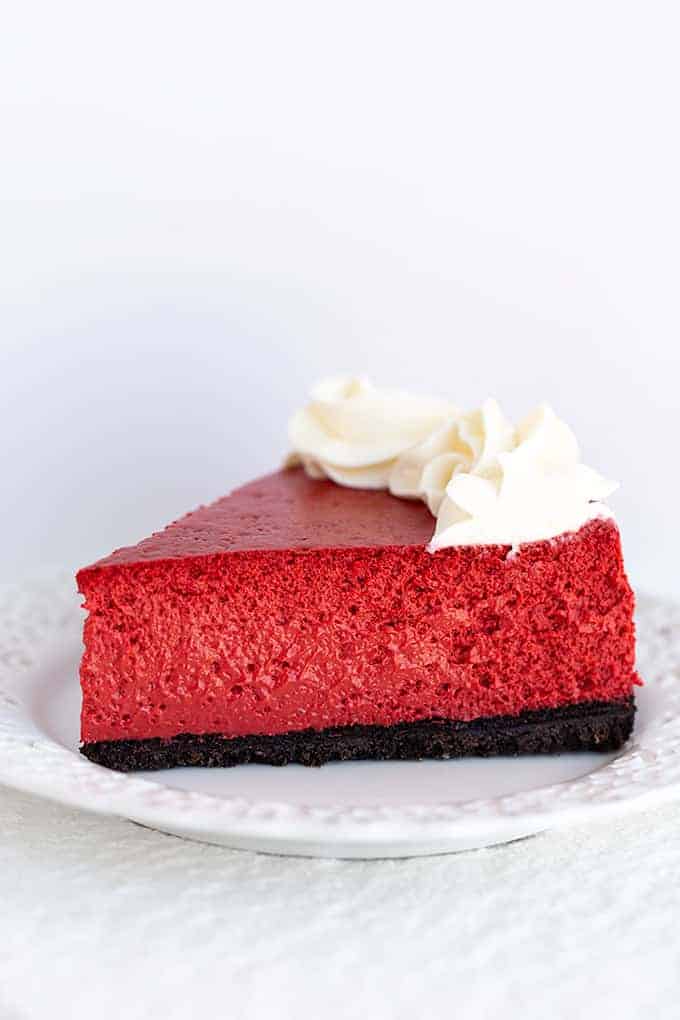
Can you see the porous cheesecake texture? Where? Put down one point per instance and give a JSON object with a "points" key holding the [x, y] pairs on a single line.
{"points": [[298, 604]]}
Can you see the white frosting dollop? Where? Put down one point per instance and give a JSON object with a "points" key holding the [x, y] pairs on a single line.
{"points": [[468, 442], [353, 432], [483, 479], [528, 485]]}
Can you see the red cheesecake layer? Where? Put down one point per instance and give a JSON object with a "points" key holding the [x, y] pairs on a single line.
{"points": [[295, 604]]}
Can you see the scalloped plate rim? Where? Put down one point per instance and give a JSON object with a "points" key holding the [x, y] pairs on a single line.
{"points": [[622, 783]]}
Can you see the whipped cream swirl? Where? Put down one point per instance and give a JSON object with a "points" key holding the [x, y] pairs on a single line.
{"points": [[353, 432], [527, 484], [483, 479]]}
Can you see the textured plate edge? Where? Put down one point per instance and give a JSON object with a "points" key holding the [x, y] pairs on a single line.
{"points": [[36, 614]]}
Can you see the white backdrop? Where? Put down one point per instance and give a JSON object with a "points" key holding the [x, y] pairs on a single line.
{"points": [[207, 206]]}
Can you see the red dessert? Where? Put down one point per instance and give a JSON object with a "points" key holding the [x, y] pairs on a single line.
{"points": [[299, 620]]}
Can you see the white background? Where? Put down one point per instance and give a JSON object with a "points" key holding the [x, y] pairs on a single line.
{"points": [[206, 206]]}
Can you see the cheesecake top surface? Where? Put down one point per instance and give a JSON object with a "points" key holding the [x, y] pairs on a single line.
{"points": [[286, 510]]}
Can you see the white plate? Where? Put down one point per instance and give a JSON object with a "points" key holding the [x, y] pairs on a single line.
{"points": [[358, 809]]}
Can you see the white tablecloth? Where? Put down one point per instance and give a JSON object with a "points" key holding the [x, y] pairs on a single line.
{"points": [[104, 919]]}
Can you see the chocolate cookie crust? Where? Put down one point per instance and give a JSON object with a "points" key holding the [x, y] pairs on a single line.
{"points": [[588, 726]]}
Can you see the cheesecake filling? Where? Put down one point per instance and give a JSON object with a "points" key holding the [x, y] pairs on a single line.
{"points": [[485, 480]]}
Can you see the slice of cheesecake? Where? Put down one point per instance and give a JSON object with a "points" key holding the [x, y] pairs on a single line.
{"points": [[297, 620]]}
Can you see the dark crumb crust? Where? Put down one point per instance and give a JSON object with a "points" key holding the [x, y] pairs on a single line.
{"points": [[588, 726]]}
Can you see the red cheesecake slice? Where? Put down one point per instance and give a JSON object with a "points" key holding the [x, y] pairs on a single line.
{"points": [[299, 621]]}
